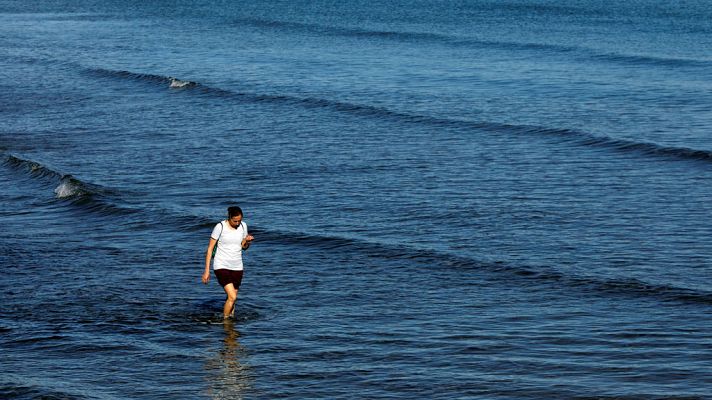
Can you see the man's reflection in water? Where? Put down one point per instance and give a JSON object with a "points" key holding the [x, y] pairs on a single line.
{"points": [[230, 378]]}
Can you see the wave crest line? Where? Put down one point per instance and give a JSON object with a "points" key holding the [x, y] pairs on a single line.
{"points": [[544, 274], [459, 41], [364, 110]]}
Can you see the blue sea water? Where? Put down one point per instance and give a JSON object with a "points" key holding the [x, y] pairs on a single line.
{"points": [[451, 199]]}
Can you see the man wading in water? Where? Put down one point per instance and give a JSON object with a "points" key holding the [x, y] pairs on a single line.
{"points": [[231, 238]]}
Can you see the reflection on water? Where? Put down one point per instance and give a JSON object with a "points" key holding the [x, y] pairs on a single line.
{"points": [[230, 377]]}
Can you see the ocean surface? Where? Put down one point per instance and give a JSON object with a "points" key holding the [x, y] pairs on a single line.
{"points": [[471, 199]]}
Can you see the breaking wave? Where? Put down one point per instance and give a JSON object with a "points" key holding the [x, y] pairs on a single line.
{"points": [[179, 84], [68, 188]]}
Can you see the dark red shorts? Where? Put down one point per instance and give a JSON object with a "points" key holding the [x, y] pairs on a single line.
{"points": [[226, 276]]}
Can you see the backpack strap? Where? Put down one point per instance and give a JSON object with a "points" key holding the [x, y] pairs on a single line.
{"points": [[217, 241], [221, 230]]}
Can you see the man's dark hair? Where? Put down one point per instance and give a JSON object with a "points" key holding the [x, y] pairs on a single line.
{"points": [[234, 211]]}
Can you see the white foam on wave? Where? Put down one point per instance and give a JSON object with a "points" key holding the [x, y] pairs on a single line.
{"points": [[177, 83], [67, 188]]}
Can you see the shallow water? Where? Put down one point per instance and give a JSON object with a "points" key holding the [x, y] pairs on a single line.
{"points": [[450, 200]]}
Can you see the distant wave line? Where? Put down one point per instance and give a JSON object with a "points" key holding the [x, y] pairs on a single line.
{"points": [[469, 42], [579, 137]]}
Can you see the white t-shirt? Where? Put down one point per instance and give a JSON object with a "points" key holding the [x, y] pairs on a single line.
{"points": [[229, 252]]}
